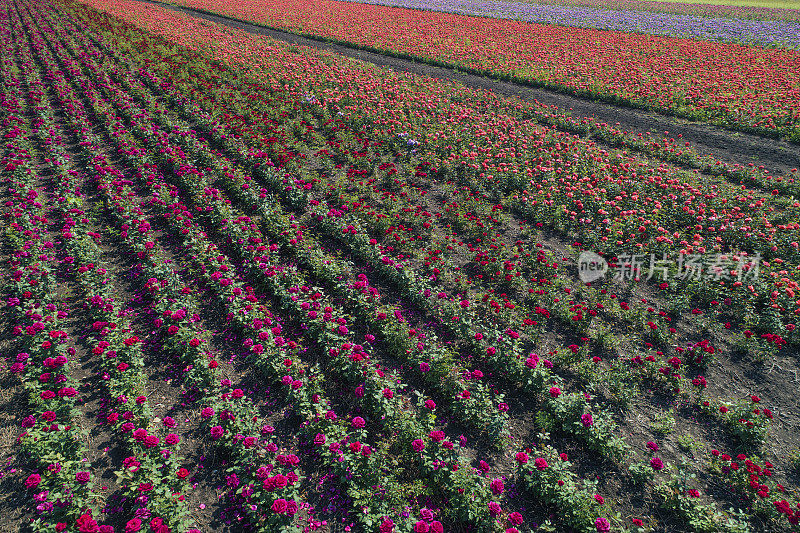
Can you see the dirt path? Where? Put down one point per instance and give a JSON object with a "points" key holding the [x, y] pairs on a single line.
{"points": [[778, 157]]}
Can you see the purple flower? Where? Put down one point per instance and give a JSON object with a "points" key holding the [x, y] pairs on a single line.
{"points": [[657, 463], [497, 486], [602, 525], [33, 481], [291, 508], [280, 506], [216, 432], [418, 445], [587, 420], [710, 23], [359, 422], [82, 477]]}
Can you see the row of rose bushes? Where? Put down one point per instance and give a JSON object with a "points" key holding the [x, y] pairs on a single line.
{"points": [[334, 218], [60, 480], [365, 454], [184, 134], [183, 167], [622, 232], [153, 476], [146, 474], [278, 501], [219, 132], [698, 79]]}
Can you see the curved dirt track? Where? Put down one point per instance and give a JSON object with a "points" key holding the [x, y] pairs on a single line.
{"points": [[778, 157]]}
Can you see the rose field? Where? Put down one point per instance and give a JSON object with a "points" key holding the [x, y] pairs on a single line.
{"points": [[739, 87], [249, 285]]}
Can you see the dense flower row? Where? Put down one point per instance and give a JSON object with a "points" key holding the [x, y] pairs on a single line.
{"points": [[152, 475], [734, 30], [732, 85], [256, 239], [133, 467], [286, 506], [617, 215], [62, 481], [149, 461], [196, 144], [686, 8], [340, 326], [345, 229]]}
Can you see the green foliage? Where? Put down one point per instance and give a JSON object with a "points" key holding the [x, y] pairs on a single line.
{"points": [[664, 423]]}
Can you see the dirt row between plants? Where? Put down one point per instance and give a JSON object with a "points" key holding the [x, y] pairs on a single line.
{"points": [[777, 156]]}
